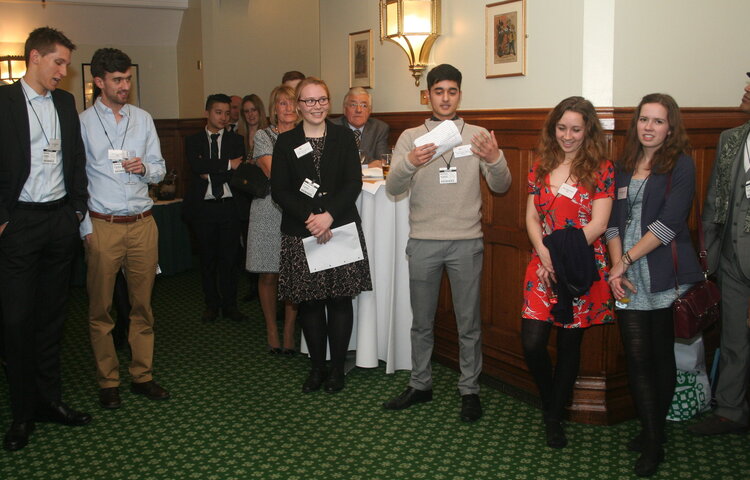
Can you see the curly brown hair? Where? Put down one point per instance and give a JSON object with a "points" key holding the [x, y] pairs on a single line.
{"points": [[587, 161], [676, 143]]}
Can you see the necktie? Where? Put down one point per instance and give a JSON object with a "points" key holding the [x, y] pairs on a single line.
{"points": [[231, 127], [357, 137], [216, 190]]}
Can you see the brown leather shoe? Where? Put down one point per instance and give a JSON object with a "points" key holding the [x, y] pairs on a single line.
{"points": [[110, 397], [151, 389]]}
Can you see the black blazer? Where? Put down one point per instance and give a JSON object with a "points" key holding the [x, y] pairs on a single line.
{"points": [[197, 150], [340, 182], [672, 211], [15, 148]]}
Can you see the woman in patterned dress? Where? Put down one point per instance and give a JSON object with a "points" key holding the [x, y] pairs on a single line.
{"points": [[264, 236], [655, 182], [570, 186], [316, 178]]}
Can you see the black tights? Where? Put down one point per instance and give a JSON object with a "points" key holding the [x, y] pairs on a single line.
{"points": [[336, 331], [648, 337], [555, 387]]}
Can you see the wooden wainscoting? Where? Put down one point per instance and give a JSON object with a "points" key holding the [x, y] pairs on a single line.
{"points": [[601, 395]]}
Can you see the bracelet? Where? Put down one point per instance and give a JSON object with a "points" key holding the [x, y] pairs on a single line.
{"points": [[626, 259]]}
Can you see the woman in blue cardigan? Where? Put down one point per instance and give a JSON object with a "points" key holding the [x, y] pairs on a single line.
{"points": [[655, 183]]}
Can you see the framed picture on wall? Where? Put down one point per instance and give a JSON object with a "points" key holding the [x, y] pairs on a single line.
{"points": [[360, 59], [505, 39], [88, 86]]}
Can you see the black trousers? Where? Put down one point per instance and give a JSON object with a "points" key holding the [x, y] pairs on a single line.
{"points": [[36, 253], [217, 230]]}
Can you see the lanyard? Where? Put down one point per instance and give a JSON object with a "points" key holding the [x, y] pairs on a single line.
{"points": [[545, 213], [448, 163], [105, 130], [54, 126], [635, 200]]}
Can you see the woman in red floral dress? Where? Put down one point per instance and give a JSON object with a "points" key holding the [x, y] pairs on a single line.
{"points": [[570, 186]]}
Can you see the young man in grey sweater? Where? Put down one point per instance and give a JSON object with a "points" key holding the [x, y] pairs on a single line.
{"points": [[445, 232]]}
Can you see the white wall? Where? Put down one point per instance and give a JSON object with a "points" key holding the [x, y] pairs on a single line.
{"points": [[695, 49], [249, 44]]}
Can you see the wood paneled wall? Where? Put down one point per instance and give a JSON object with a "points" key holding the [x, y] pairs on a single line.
{"points": [[601, 394]]}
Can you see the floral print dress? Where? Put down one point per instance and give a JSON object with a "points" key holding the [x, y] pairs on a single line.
{"points": [[558, 211]]}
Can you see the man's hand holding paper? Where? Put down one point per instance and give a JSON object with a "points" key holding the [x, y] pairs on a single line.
{"points": [[438, 141]]}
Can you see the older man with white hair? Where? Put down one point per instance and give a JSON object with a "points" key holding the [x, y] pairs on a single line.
{"points": [[370, 134]]}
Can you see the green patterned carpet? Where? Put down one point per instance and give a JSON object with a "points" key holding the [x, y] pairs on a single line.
{"points": [[238, 413]]}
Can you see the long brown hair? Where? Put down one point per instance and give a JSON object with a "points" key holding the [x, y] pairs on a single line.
{"points": [[243, 128], [587, 161], [676, 142]]}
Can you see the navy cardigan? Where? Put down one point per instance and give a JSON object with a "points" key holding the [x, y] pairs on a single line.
{"points": [[665, 215]]}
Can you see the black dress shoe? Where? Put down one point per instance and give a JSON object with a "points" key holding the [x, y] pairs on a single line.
{"points": [[62, 414], [314, 380], [150, 389], [408, 397], [335, 381], [555, 434], [17, 435], [234, 314], [209, 316], [648, 463], [110, 397], [471, 407]]}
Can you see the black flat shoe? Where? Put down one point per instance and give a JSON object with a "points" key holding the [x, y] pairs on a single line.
{"points": [[408, 397], [62, 414], [335, 381], [648, 463], [314, 380], [555, 434], [289, 351], [17, 435], [275, 351]]}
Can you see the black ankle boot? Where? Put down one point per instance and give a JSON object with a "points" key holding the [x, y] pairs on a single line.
{"points": [[314, 380], [555, 434], [648, 463], [335, 381]]}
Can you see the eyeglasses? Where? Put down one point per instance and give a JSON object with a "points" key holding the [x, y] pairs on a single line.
{"points": [[310, 102], [355, 105]]}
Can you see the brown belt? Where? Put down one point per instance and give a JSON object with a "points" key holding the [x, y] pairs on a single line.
{"points": [[120, 218]]}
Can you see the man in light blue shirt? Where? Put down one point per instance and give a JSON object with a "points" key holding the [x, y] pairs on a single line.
{"points": [[123, 156]]}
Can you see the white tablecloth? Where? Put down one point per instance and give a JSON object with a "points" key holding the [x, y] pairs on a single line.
{"points": [[383, 316]]}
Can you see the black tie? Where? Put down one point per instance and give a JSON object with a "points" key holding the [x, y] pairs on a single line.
{"points": [[357, 137], [231, 127], [216, 190]]}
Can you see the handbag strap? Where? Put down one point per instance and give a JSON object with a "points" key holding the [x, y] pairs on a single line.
{"points": [[702, 253]]}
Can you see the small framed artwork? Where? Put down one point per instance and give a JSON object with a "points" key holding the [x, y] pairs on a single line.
{"points": [[90, 90], [360, 59], [505, 39]]}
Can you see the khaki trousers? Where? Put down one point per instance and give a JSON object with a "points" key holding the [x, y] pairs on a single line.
{"points": [[134, 248]]}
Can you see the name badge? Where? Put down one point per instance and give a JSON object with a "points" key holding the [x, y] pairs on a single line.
{"points": [[50, 157], [462, 151], [309, 187], [303, 149], [54, 144], [622, 193], [747, 189], [567, 190], [116, 157], [448, 175]]}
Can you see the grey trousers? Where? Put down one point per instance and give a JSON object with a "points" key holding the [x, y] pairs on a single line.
{"points": [[462, 259], [735, 342]]}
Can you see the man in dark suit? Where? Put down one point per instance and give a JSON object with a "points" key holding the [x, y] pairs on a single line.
{"points": [[210, 208], [42, 200], [370, 134]]}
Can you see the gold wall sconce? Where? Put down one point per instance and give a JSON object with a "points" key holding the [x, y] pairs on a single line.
{"points": [[414, 25], [12, 68]]}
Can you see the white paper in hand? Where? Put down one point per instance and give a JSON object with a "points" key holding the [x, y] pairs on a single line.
{"points": [[445, 136], [343, 248]]}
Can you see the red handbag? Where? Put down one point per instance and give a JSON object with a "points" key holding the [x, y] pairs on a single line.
{"points": [[699, 307]]}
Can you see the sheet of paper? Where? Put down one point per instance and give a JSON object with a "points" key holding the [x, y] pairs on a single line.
{"points": [[445, 136], [341, 249], [374, 172]]}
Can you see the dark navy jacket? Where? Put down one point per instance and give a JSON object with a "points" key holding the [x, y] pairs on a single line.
{"points": [[666, 216]]}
